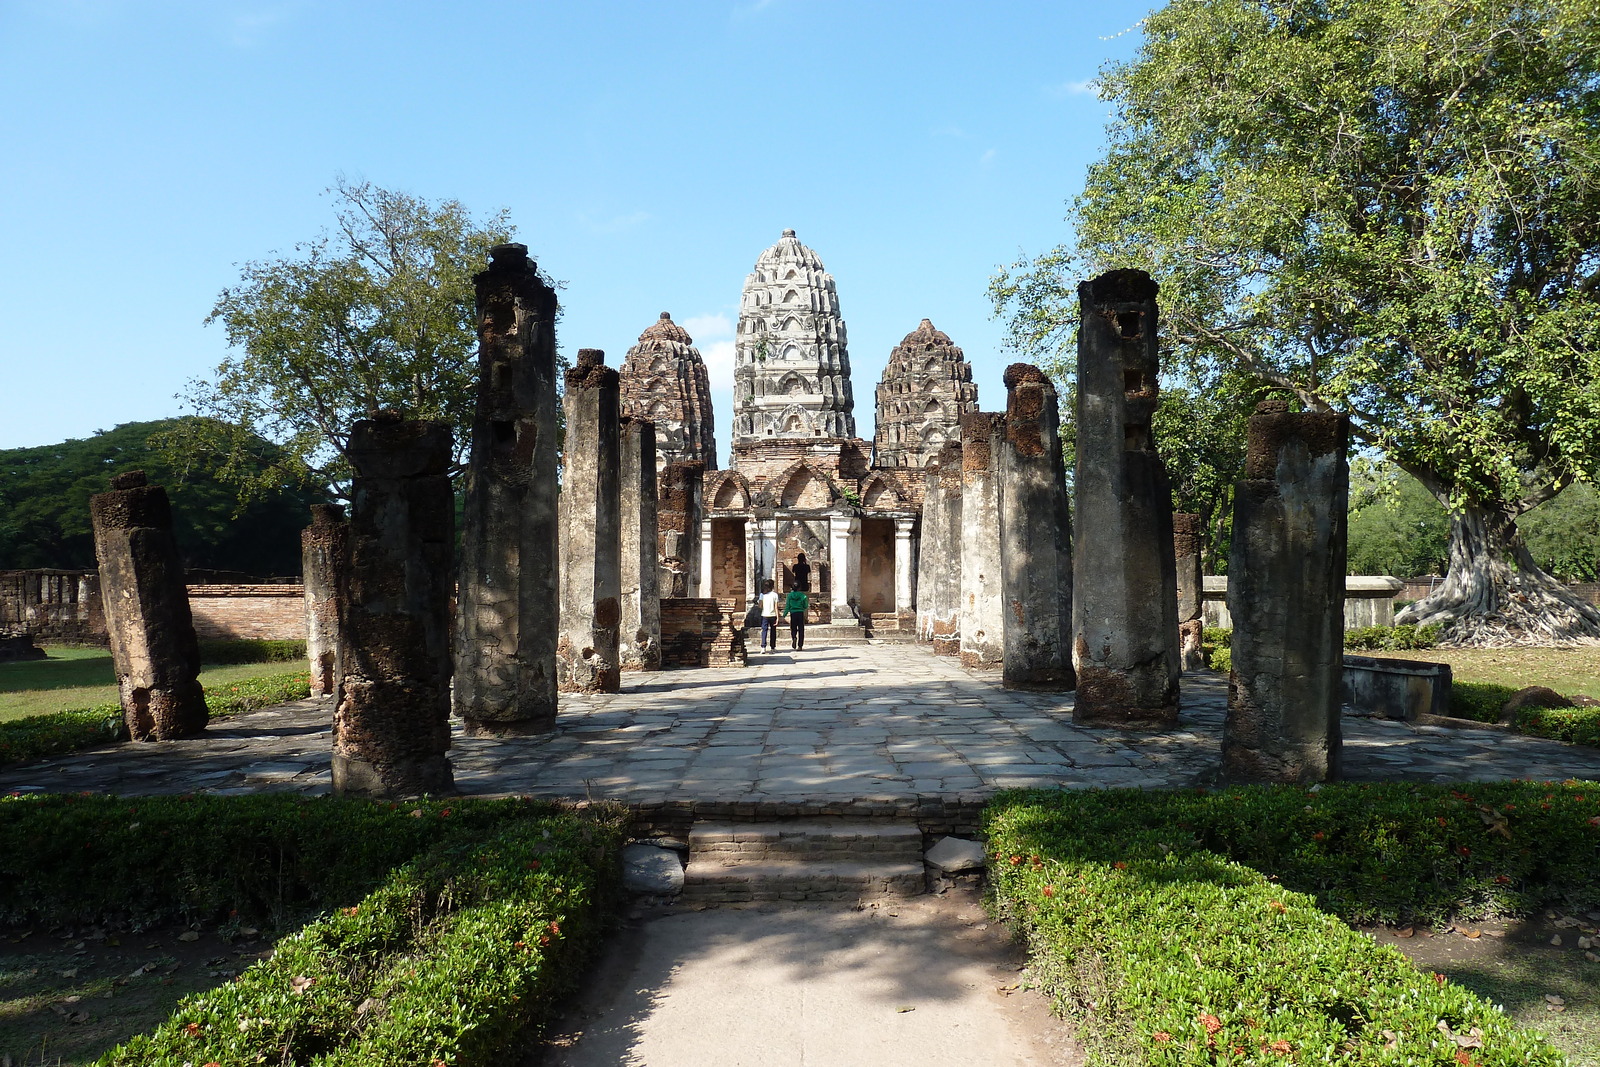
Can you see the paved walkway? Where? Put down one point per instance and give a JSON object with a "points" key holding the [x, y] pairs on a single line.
{"points": [[883, 721]]}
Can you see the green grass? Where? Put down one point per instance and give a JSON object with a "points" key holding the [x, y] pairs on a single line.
{"points": [[1569, 670], [76, 678]]}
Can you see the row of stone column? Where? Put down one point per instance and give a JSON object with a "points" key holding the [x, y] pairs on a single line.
{"points": [[1003, 582]]}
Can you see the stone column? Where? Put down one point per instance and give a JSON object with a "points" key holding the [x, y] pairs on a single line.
{"points": [[591, 545], [391, 719], [639, 633], [678, 521], [1286, 595], [153, 645], [505, 675], [905, 571], [939, 564], [704, 585], [324, 546], [1035, 536], [844, 559], [1186, 531], [982, 592], [1125, 611]]}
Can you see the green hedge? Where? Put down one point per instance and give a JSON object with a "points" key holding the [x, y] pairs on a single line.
{"points": [[1578, 725], [1202, 928], [1479, 701], [447, 928], [218, 652], [38, 736], [1392, 638]]}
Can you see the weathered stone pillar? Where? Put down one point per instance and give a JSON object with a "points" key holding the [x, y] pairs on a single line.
{"points": [[982, 577], [153, 646], [1125, 608], [639, 633], [1035, 535], [939, 564], [905, 571], [1286, 595], [1186, 531], [506, 652], [678, 517], [324, 547], [391, 720], [844, 559], [591, 520]]}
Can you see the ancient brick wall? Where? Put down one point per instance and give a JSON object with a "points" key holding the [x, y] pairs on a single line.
{"points": [[261, 612], [53, 604]]}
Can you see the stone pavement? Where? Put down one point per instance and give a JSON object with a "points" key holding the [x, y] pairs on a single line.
{"points": [[866, 722]]}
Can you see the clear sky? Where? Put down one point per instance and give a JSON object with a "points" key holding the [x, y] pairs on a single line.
{"points": [[647, 152]]}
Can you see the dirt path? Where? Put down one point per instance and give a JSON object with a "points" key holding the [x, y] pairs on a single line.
{"points": [[922, 983]]}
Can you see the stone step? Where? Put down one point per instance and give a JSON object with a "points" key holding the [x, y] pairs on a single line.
{"points": [[830, 840], [850, 633], [708, 882]]}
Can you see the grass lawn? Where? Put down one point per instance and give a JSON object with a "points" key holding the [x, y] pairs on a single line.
{"points": [[82, 677], [1571, 670]]}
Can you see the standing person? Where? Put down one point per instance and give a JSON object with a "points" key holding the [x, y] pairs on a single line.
{"points": [[795, 606], [769, 616], [802, 573]]}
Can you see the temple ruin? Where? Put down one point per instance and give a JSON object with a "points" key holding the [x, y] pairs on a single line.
{"points": [[664, 379]]}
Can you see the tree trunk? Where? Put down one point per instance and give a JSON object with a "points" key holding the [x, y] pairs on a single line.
{"points": [[1494, 594]]}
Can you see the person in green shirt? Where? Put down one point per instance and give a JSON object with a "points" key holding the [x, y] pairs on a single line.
{"points": [[795, 606]]}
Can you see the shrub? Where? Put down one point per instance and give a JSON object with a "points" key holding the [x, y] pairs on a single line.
{"points": [[465, 920], [1579, 725], [38, 736], [1479, 701], [1194, 929], [219, 652], [1220, 636], [1221, 659], [1392, 638]]}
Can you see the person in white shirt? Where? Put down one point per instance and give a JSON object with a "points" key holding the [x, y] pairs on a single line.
{"points": [[769, 616]]}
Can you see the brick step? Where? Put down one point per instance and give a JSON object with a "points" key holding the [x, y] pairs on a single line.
{"points": [[819, 840], [709, 882]]}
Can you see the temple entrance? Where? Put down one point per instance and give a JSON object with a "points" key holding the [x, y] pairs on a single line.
{"points": [[728, 559], [877, 567]]}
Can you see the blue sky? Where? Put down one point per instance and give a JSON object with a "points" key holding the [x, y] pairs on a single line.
{"points": [[647, 152]]}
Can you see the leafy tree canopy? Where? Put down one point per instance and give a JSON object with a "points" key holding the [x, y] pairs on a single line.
{"points": [[379, 314], [45, 491], [1389, 208]]}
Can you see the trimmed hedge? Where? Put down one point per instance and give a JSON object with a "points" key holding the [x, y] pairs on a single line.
{"points": [[38, 736], [1392, 638], [1580, 725], [447, 928], [1195, 928], [1479, 701], [242, 650]]}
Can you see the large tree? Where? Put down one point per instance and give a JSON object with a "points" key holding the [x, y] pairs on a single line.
{"points": [[1389, 208], [377, 315]]}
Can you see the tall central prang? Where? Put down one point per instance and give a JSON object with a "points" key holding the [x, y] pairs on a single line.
{"points": [[791, 376]]}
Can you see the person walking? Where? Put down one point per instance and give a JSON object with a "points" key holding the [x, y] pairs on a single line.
{"points": [[795, 606], [802, 573], [769, 616]]}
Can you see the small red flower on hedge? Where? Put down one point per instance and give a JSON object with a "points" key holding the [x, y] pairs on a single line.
{"points": [[1318, 836], [1280, 1046], [1594, 820], [1438, 979], [1464, 850], [533, 865], [1119, 865], [1442, 821], [445, 813], [1049, 890], [192, 1029], [1210, 1022], [555, 928], [1161, 1035], [1278, 906], [1015, 860]]}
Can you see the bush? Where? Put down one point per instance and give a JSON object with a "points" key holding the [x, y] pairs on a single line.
{"points": [[1392, 638], [1187, 927], [38, 736], [1221, 659], [218, 652], [1479, 701], [465, 921], [1580, 725], [1219, 636]]}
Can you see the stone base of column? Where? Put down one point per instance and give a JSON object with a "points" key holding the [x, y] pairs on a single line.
{"points": [[428, 774], [164, 714], [1127, 700], [508, 727]]}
